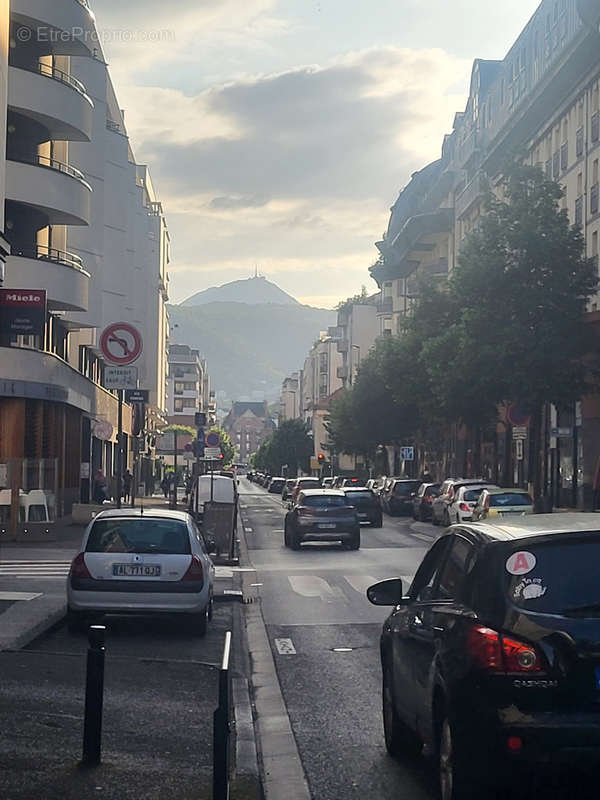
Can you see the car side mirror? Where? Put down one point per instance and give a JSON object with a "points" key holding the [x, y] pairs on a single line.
{"points": [[386, 593]]}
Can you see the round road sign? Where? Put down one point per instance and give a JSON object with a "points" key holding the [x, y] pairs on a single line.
{"points": [[213, 439], [121, 343]]}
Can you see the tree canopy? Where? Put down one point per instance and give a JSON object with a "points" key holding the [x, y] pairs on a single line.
{"points": [[290, 444]]}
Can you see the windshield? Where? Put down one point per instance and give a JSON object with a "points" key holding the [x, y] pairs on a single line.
{"points": [[510, 499], [406, 488], [324, 501], [472, 495], [564, 575], [139, 536]]}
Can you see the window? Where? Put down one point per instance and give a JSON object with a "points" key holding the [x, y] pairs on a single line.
{"points": [[595, 126], [594, 199], [579, 211], [549, 168], [579, 143], [422, 586], [556, 165], [458, 564], [323, 363], [179, 388], [178, 405], [579, 184], [564, 156]]}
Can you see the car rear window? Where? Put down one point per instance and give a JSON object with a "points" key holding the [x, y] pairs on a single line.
{"points": [[510, 499], [139, 536], [432, 491], [324, 501], [277, 483], [309, 484], [472, 495], [563, 578], [366, 495], [406, 488]]}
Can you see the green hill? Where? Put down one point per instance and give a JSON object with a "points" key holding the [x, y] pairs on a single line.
{"points": [[250, 347]]}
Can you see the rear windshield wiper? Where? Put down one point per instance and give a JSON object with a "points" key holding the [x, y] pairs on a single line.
{"points": [[576, 610]]}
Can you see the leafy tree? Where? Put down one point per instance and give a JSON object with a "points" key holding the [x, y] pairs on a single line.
{"points": [[226, 445], [290, 444]]}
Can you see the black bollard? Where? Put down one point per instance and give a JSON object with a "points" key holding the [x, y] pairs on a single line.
{"points": [[94, 691], [222, 728]]}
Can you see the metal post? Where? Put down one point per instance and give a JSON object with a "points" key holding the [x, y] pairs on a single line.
{"points": [[173, 502], [221, 728], [94, 691], [120, 451]]}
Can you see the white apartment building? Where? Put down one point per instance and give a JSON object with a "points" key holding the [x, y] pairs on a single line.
{"points": [[356, 332], [290, 401], [185, 385], [321, 378], [84, 223]]}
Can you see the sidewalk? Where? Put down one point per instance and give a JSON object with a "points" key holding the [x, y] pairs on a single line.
{"points": [[158, 703]]}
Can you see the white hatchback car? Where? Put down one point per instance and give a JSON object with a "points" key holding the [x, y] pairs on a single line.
{"points": [[141, 562], [465, 500]]}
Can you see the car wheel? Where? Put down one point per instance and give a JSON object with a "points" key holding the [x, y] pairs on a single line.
{"points": [[458, 776], [400, 740], [434, 519], [447, 522], [286, 535], [378, 523], [354, 543], [294, 540], [211, 606], [200, 622], [76, 622]]}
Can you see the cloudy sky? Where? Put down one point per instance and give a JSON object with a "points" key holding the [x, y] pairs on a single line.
{"points": [[279, 132]]}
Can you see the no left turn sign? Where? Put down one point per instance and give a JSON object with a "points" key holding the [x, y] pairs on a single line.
{"points": [[121, 343]]}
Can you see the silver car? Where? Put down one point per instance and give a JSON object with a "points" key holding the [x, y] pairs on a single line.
{"points": [[134, 562]]}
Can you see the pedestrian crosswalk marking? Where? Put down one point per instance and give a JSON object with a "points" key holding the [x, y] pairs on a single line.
{"points": [[34, 569], [15, 596]]}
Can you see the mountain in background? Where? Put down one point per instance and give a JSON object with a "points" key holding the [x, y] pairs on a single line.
{"points": [[254, 291], [252, 333]]}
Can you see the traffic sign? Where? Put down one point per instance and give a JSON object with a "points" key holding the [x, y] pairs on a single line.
{"points": [[137, 395], [213, 439], [520, 449], [200, 419], [517, 415], [201, 438], [519, 432], [120, 377], [407, 453], [563, 433], [212, 453], [121, 343]]}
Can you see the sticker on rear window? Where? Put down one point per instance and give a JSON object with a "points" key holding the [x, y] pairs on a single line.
{"points": [[521, 563], [529, 589]]}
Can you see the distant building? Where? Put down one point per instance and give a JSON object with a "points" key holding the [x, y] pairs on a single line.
{"points": [[290, 402], [186, 385], [356, 332], [248, 425]]}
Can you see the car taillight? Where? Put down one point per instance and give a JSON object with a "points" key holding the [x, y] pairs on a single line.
{"points": [[464, 507], [194, 571], [492, 651], [78, 567], [427, 499], [487, 502]]}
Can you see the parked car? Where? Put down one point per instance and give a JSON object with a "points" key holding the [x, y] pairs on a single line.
{"points": [[398, 497], [464, 501], [276, 485], [375, 485], [354, 481], [133, 562], [439, 508], [337, 481], [305, 483], [422, 501], [322, 515], [496, 502], [489, 658], [326, 483], [366, 504], [288, 488]]}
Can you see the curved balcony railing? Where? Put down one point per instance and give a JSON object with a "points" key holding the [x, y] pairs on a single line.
{"points": [[42, 253], [48, 163], [57, 75]]}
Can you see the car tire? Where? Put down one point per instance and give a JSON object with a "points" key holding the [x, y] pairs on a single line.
{"points": [[200, 621], [458, 776], [354, 543], [286, 535], [76, 622], [294, 540], [447, 522], [378, 523], [400, 741], [434, 519]]}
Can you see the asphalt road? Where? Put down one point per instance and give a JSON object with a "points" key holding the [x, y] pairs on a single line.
{"points": [[324, 636], [315, 600]]}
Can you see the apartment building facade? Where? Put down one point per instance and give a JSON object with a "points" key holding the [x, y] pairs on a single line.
{"points": [[290, 399], [186, 381], [356, 332], [84, 224], [248, 425], [541, 100]]}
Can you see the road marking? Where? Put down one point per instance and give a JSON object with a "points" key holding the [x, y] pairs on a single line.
{"points": [[422, 537], [285, 647], [313, 586], [223, 572], [27, 596], [360, 583], [35, 569], [248, 530], [278, 530]]}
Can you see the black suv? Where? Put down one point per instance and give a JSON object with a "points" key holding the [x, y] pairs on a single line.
{"points": [[366, 503], [423, 500], [397, 498], [492, 658], [322, 515]]}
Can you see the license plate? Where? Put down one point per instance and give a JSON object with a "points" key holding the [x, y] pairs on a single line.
{"points": [[327, 526], [136, 570]]}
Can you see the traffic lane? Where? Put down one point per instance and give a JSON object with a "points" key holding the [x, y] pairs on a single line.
{"points": [[334, 703]]}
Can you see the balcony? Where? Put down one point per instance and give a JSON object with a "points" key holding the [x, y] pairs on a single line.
{"points": [[385, 306], [471, 194], [67, 26], [54, 99], [61, 274], [343, 345], [342, 373], [57, 190]]}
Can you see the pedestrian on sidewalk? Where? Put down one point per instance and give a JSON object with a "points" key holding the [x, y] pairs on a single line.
{"points": [[127, 481], [100, 493]]}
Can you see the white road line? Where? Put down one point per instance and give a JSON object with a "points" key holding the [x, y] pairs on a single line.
{"points": [[26, 596], [360, 583], [313, 586], [285, 647], [422, 537]]}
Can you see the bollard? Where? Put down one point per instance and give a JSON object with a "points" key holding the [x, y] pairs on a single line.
{"points": [[94, 691], [221, 728]]}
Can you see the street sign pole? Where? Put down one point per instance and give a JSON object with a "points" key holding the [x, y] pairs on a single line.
{"points": [[120, 450]]}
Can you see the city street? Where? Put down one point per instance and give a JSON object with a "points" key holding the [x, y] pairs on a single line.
{"points": [[324, 636]]}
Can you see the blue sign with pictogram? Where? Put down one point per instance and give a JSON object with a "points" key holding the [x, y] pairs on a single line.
{"points": [[407, 453]]}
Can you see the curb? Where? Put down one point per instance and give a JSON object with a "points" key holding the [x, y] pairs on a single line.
{"points": [[19, 626], [246, 781]]}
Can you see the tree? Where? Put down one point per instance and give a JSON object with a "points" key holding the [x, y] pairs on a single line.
{"points": [[523, 283], [226, 445], [290, 444]]}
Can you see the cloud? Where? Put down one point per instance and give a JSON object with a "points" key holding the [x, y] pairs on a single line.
{"points": [[228, 203]]}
